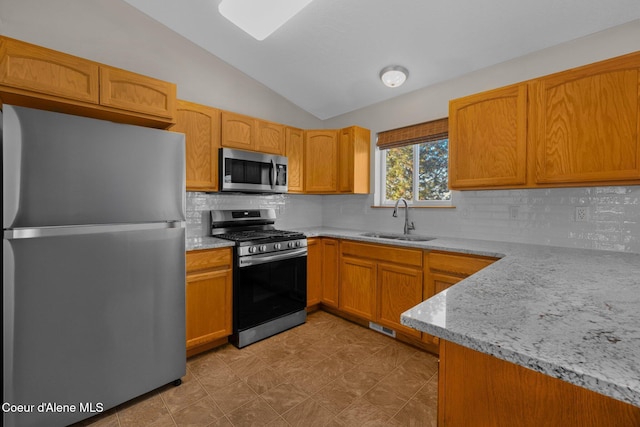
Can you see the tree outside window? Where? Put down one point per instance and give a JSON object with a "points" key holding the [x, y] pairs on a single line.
{"points": [[417, 173]]}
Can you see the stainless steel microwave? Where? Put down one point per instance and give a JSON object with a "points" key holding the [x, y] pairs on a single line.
{"points": [[251, 172]]}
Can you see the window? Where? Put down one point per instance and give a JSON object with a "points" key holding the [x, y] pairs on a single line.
{"points": [[413, 164]]}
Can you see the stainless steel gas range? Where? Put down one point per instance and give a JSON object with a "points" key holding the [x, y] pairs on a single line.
{"points": [[269, 273]]}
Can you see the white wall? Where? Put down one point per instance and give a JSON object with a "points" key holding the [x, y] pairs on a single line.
{"points": [[544, 216], [115, 33]]}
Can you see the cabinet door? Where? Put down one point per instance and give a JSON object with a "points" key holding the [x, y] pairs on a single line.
{"points": [[36, 69], [330, 272], [134, 92], [487, 139], [321, 161], [295, 155], [358, 287], [399, 289], [208, 299], [354, 158], [585, 123], [270, 137], [238, 131], [314, 272], [201, 126]]}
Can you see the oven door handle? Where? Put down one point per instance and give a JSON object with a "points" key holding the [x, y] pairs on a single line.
{"points": [[263, 259]]}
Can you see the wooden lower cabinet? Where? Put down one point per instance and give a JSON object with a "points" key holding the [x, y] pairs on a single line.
{"points": [[476, 389], [399, 289], [380, 282], [208, 299], [330, 267], [314, 271], [358, 287]]}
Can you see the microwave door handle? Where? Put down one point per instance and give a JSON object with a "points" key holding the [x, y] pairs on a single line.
{"points": [[274, 174]]}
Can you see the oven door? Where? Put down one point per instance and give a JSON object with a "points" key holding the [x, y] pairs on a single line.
{"points": [[269, 286]]}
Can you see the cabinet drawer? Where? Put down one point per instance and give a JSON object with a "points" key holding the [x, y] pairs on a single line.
{"points": [[208, 259], [390, 254], [460, 265]]}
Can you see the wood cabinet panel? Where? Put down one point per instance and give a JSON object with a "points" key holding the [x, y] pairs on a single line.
{"points": [[314, 271], [354, 160], [238, 131], [208, 307], [399, 289], [586, 123], [294, 139], [330, 272], [391, 254], [458, 264], [321, 161], [270, 137], [358, 287], [34, 68], [475, 386], [201, 126], [208, 259], [134, 92], [208, 298], [488, 139]]}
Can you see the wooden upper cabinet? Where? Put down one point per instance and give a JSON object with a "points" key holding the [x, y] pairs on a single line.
{"points": [[353, 158], [134, 92], [585, 123], [238, 131], [488, 139], [321, 161], [31, 68], [37, 77], [270, 137], [201, 126], [294, 143]]}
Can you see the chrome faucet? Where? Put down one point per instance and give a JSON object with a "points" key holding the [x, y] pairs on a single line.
{"points": [[407, 225]]}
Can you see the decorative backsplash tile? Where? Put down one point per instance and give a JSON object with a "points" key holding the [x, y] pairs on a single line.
{"points": [[540, 216]]}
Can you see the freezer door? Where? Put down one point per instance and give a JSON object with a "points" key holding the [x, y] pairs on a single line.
{"points": [[60, 169], [91, 320]]}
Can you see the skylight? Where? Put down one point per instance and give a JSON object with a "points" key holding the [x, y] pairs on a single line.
{"points": [[260, 18]]}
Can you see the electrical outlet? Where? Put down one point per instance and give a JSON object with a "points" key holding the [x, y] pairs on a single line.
{"points": [[582, 212]]}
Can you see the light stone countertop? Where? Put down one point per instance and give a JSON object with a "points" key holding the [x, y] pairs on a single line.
{"points": [[573, 314], [207, 242]]}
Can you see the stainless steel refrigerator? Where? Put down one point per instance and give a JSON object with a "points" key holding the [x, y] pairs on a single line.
{"points": [[93, 264]]}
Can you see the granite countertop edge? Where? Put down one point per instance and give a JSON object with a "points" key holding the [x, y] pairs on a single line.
{"points": [[534, 298]]}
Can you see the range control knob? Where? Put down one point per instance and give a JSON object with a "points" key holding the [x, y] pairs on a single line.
{"points": [[298, 244], [291, 244], [253, 250], [277, 246], [263, 248]]}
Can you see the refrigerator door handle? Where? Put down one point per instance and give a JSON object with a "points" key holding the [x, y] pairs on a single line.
{"points": [[30, 233]]}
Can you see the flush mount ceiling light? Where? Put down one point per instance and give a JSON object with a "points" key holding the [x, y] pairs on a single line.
{"points": [[394, 75], [260, 18]]}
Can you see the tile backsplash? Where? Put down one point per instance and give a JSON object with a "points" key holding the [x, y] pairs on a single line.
{"points": [[292, 211], [540, 216]]}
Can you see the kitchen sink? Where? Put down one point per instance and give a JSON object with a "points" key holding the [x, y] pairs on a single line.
{"points": [[405, 237]]}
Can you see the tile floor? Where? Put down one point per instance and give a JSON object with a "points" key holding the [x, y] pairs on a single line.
{"points": [[327, 372]]}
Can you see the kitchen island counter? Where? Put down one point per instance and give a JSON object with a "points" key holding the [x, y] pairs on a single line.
{"points": [[572, 314]]}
